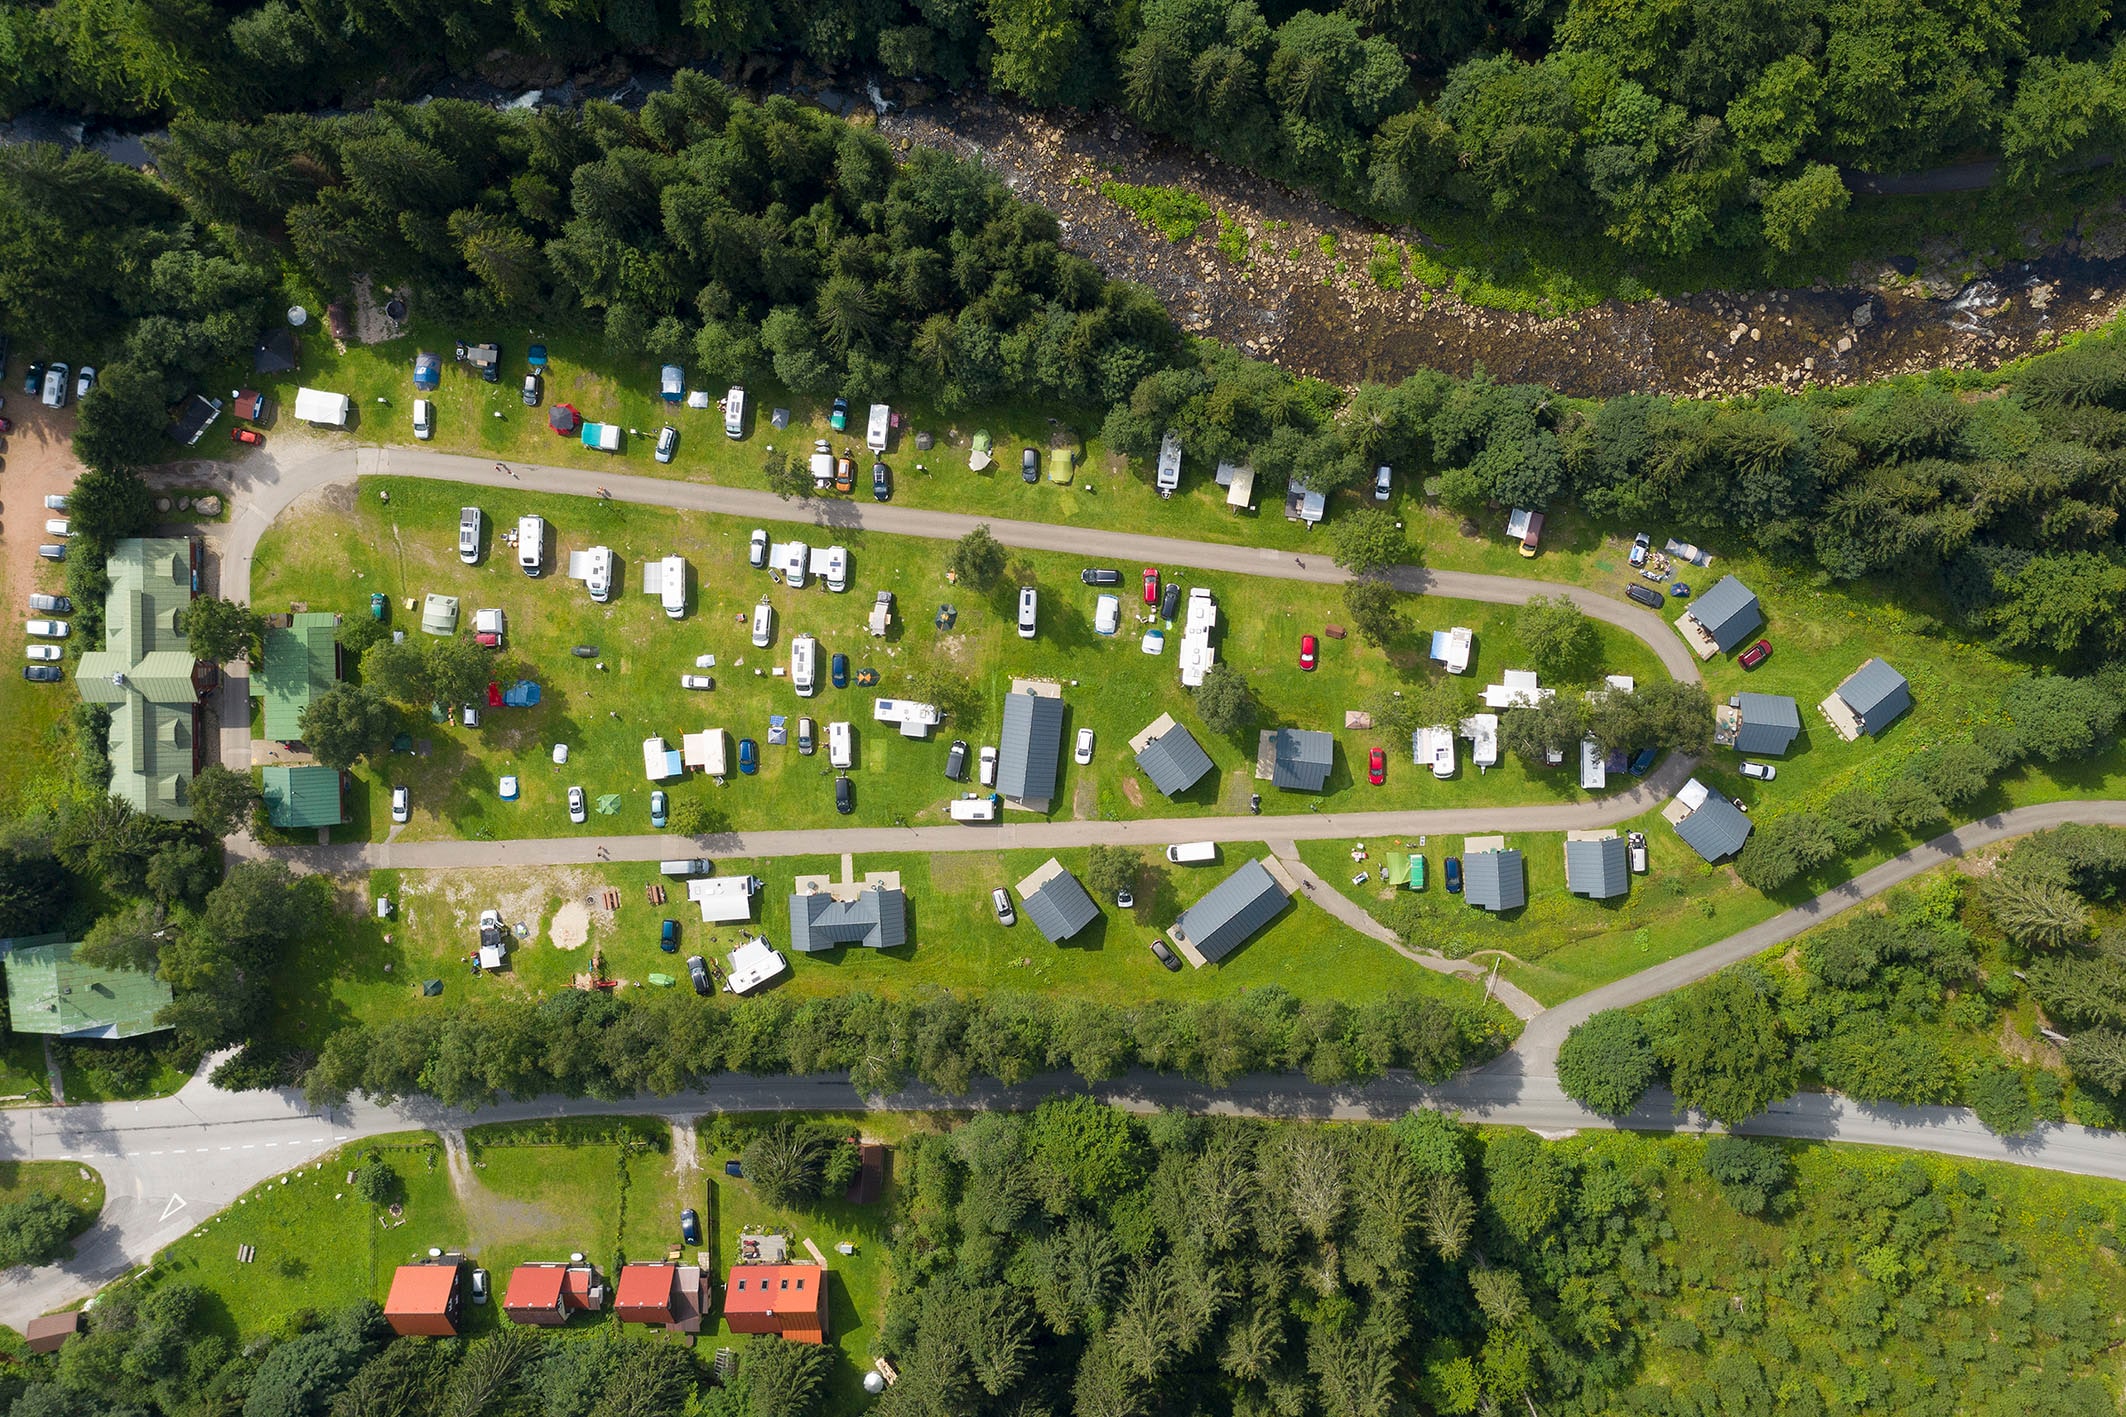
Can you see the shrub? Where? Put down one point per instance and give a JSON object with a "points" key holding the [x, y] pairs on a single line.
{"points": [[1607, 1062]]}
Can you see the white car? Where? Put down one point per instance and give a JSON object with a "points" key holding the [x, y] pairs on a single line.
{"points": [[577, 812], [757, 549], [45, 653], [1761, 772], [989, 767], [55, 386], [696, 681], [58, 526], [424, 419], [1029, 604], [84, 381], [1001, 899], [1383, 481], [55, 501], [1085, 746], [401, 806], [48, 629]]}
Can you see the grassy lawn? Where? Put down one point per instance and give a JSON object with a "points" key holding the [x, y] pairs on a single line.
{"points": [[603, 708], [86, 1082], [318, 1245], [608, 1200], [23, 1081], [955, 941]]}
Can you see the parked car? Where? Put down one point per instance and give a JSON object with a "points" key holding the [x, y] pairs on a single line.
{"points": [[838, 671], [1165, 956], [748, 756], [1640, 546], [1151, 585], [424, 419], [52, 553], [757, 548], [1383, 484], [1759, 772], [1170, 601], [1100, 575], [33, 378], [1125, 899], [55, 501], [401, 806], [378, 605], [58, 526], [56, 603], [668, 937], [84, 381], [956, 760], [45, 653], [690, 1226], [1756, 654], [533, 391], [660, 808], [667, 443], [987, 770], [1029, 605], [1029, 466], [1084, 752], [881, 483], [578, 810], [838, 416], [844, 795], [55, 385], [698, 971], [1308, 652], [48, 629], [249, 437], [1645, 595], [807, 737], [1377, 767], [41, 674], [1001, 900], [1636, 842], [1454, 875], [845, 474], [696, 681]]}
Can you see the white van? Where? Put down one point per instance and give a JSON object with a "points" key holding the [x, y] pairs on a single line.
{"points": [[974, 807], [875, 434], [763, 623], [1029, 603], [804, 666], [424, 419], [734, 412], [841, 744], [1169, 477], [1107, 615], [531, 546], [470, 523], [691, 866], [1192, 853]]}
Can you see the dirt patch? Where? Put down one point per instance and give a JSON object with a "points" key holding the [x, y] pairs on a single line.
{"points": [[40, 463], [1133, 791], [571, 927], [371, 324], [1084, 799]]}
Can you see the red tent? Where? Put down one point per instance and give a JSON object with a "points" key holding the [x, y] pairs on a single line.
{"points": [[494, 694], [563, 418]]}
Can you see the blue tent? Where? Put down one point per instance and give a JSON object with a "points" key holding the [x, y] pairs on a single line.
{"points": [[536, 356], [427, 370], [522, 694]]}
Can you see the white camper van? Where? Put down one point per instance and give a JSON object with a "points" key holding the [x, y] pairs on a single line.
{"points": [[1192, 853], [804, 666], [667, 579], [875, 434], [1169, 463], [763, 623], [734, 412], [593, 567], [470, 523], [531, 546]]}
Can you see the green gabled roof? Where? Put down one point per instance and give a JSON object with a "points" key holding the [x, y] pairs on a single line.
{"points": [[48, 992], [298, 797], [299, 665], [144, 672]]}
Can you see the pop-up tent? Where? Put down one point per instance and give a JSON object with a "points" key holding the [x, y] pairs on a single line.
{"points": [[563, 419], [427, 370]]}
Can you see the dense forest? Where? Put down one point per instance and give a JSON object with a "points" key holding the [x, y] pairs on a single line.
{"points": [[1908, 1004], [1669, 128], [769, 241], [1080, 1261]]}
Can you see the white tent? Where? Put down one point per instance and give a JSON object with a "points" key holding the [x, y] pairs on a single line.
{"points": [[327, 410]]}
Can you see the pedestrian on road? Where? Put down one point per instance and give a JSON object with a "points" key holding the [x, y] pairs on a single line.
{"points": [[1299, 563]]}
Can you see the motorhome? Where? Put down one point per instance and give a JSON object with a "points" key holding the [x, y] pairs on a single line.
{"points": [[804, 666], [875, 432], [531, 546], [841, 744], [593, 567], [831, 564], [1169, 463], [667, 580], [470, 525], [763, 623], [734, 412], [791, 558]]}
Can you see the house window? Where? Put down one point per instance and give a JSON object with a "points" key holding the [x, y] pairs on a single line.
{"points": [[800, 1284], [786, 1284], [741, 1286]]}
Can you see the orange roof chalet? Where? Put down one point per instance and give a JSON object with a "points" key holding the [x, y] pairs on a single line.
{"points": [[425, 1298], [669, 1294], [786, 1299], [546, 1294]]}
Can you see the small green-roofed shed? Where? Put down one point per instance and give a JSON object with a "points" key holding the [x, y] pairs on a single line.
{"points": [[301, 662], [48, 992], [299, 797]]}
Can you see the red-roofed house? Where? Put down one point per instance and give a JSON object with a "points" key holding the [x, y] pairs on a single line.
{"points": [[674, 1295], [546, 1294], [425, 1298], [786, 1299]]}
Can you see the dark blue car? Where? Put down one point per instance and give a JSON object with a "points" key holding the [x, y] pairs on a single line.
{"points": [[1454, 875], [838, 670], [748, 756], [1642, 760], [668, 937]]}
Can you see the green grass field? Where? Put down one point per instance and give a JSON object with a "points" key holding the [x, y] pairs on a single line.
{"points": [[353, 973], [335, 552]]}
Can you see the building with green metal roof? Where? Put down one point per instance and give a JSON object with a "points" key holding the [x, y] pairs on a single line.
{"points": [[298, 797], [49, 992], [146, 676], [300, 662]]}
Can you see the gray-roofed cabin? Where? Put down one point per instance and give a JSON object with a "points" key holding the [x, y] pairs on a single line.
{"points": [[1722, 618], [1295, 759], [1597, 865], [1870, 700], [1055, 902], [1494, 880], [1229, 915], [1030, 748], [876, 918], [1170, 756], [1768, 723], [1715, 828]]}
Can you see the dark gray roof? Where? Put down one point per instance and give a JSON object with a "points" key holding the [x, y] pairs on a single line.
{"points": [[1060, 908], [1030, 746], [1597, 869], [1769, 723], [1174, 761], [1876, 694], [1716, 829], [1728, 612], [877, 919], [1234, 910], [275, 351], [1495, 880], [1303, 759]]}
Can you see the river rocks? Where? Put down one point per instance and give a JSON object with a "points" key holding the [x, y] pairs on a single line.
{"points": [[162, 504], [209, 506], [1864, 314]]}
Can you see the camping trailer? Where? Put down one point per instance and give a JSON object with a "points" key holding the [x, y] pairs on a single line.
{"points": [[875, 432], [841, 744], [469, 525], [734, 412], [531, 546], [975, 807], [1169, 463], [804, 666], [763, 623]]}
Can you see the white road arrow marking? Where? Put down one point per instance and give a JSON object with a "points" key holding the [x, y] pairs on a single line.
{"points": [[176, 1204]]}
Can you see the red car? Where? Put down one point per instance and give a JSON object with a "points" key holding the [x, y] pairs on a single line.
{"points": [[1151, 585], [1376, 767], [1307, 646], [1756, 654], [249, 437]]}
